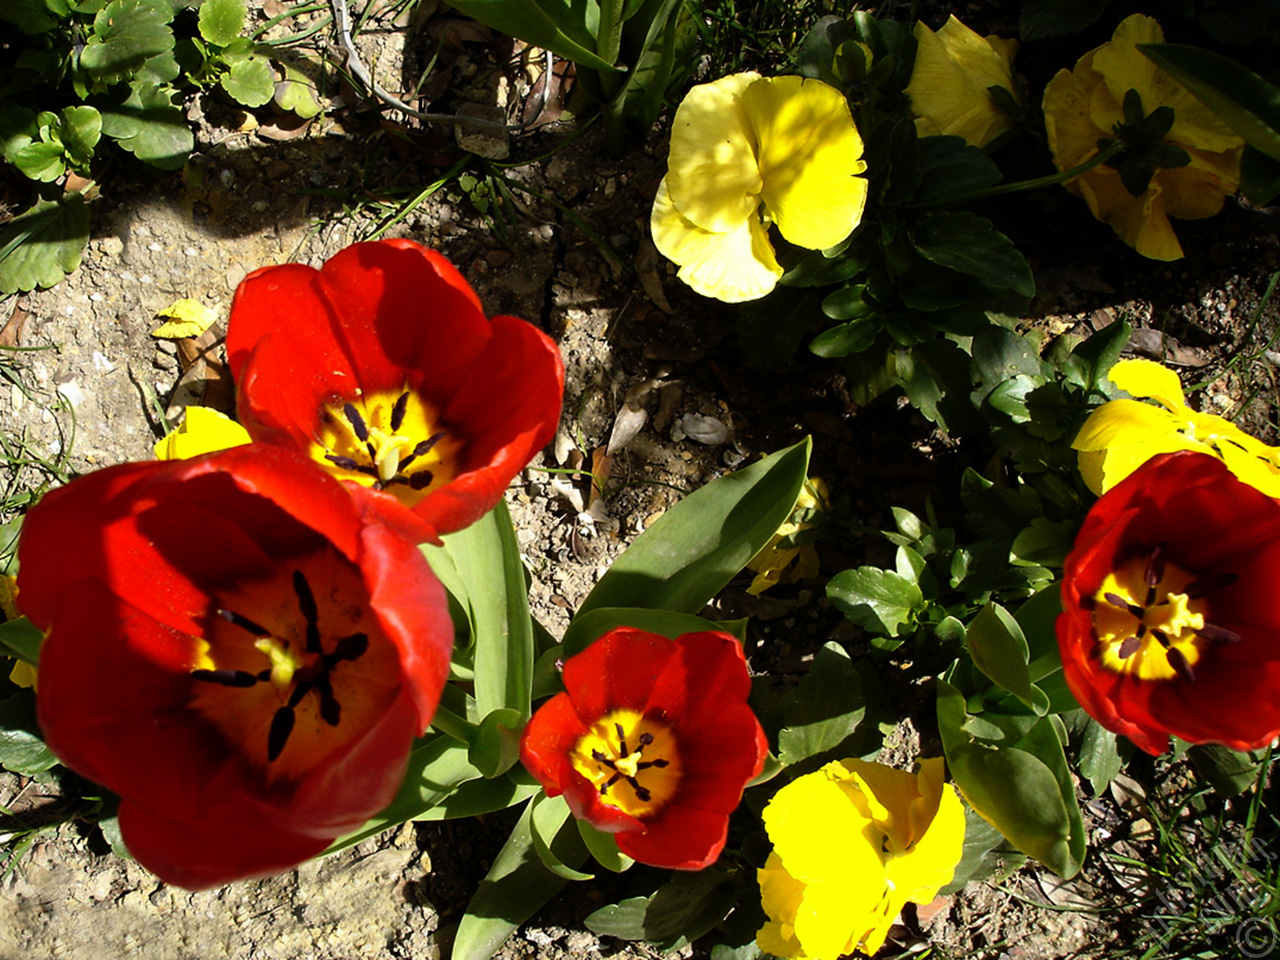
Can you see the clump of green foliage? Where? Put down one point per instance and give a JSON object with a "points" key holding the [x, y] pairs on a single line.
{"points": [[79, 75]]}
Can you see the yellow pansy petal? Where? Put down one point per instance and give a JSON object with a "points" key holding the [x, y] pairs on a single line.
{"points": [[848, 840], [920, 873], [1121, 422], [778, 939], [203, 430], [809, 159], [1090, 464], [712, 173], [734, 266], [1199, 189], [184, 318], [23, 674], [949, 80], [892, 792], [1146, 378], [832, 915], [8, 597], [780, 896], [1260, 473], [1071, 133]]}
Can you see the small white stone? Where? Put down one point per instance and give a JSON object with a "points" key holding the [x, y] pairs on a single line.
{"points": [[101, 363], [72, 393], [154, 247]]}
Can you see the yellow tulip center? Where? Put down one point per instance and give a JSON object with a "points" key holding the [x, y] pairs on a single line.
{"points": [[289, 673], [389, 440], [632, 760], [1151, 619]]}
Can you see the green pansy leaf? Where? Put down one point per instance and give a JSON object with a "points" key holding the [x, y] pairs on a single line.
{"points": [[18, 128], [221, 20], [1055, 18], [985, 853], [999, 650], [701, 543], [879, 601], [250, 82], [125, 34], [1012, 771], [516, 886], [684, 908], [1100, 756], [22, 748], [969, 244], [824, 709], [1045, 543], [847, 338], [1259, 177], [21, 639], [43, 244], [1239, 97], [29, 16], [951, 169], [1229, 772], [297, 91]]}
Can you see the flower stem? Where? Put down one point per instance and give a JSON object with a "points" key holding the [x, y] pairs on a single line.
{"points": [[1062, 176]]}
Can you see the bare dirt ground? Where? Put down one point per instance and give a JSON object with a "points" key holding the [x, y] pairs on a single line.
{"points": [[643, 356]]}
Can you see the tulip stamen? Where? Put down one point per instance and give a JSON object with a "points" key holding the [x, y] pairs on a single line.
{"points": [[1164, 636], [607, 757], [376, 439]]}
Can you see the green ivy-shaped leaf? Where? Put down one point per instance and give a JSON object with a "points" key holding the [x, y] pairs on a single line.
{"points": [[969, 244], [250, 82], [42, 245], [126, 33], [43, 161], [80, 129], [150, 127], [297, 92]]}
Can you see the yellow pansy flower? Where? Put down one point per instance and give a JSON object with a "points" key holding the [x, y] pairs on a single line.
{"points": [[1122, 435], [950, 81], [23, 673], [748, 151], [776, 564], [203, 430], [852, 844], [1087, 104]]}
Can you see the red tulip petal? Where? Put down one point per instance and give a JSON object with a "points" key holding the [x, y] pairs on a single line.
{"points": [[585, 803], [547, 740], [707, 674], [412, 607], [616, 672], [679, 839], [720, 759], [230, 841], [404, 307]]}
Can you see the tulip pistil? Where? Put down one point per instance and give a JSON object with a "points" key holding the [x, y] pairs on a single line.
{"points": [[1151, 619], [388, 440], [625, 747]]}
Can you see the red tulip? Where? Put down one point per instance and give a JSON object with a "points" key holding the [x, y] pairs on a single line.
{"points": [[1170, 622], [382, 367], [652, 740], [233, 651]]}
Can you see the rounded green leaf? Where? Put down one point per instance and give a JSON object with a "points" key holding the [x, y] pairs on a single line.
{"points": [[41, 246], [221, 20], [250, 82]]}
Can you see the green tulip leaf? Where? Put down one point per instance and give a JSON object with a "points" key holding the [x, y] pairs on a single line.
{"points": [[549, 815], [480, 566], [604, 848], [701, 543], [999, 650], [43, 244], [496, 746], [563, 27], [1259, 176], [587, 628], [1239, 97], [517, 884]]}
